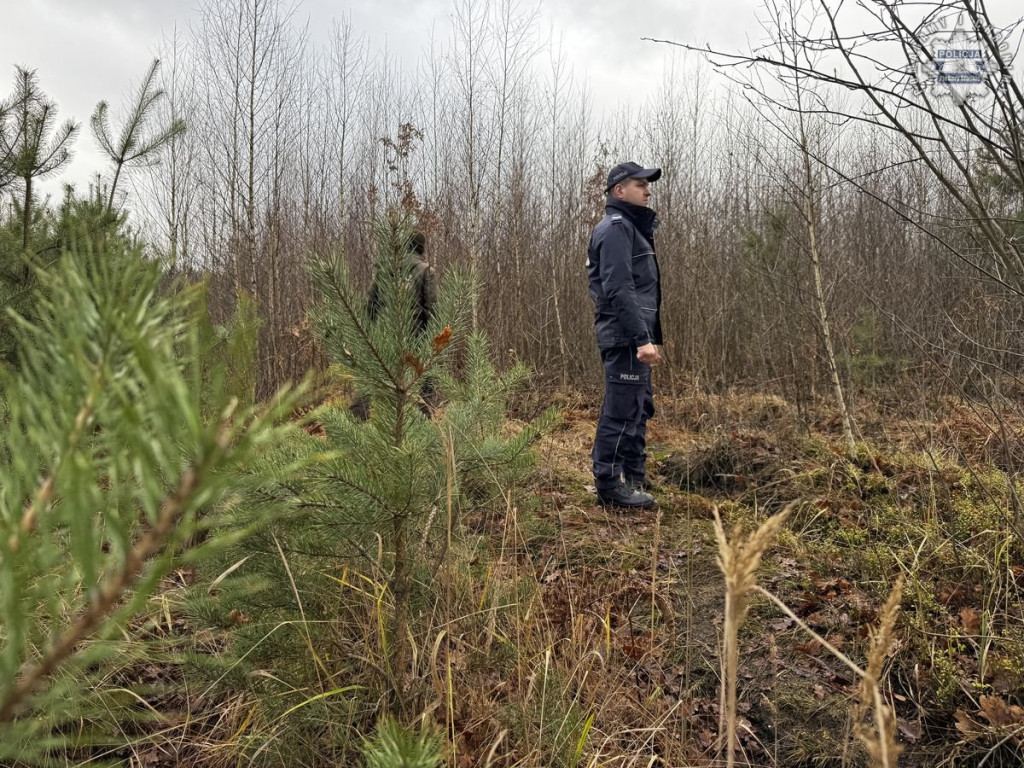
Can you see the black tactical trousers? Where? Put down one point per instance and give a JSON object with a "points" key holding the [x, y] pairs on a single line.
{"points": [[621, 440]]}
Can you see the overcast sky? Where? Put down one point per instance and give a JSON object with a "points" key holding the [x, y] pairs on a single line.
{"points": [[88, 50]]}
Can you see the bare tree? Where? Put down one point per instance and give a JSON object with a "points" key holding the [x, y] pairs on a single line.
{"points": [[945, 136], [297, 149], [344, 85], [172, 190], [467, 63]]}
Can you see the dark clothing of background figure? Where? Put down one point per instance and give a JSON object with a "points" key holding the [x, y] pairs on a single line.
{"points": [[425, 292], [424, 289], [625, 287]]}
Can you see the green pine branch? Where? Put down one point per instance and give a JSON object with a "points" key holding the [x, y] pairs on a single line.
{"points": [[108, 467], [139, 141]]}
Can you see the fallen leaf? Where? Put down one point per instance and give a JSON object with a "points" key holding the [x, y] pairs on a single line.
{"points": [[966, 724], [788, 566], [971, 621], [1004, 682], [636, 649], [745, 730], [998, 713], [910, 731], [810, 648], [315, 429], [831, 588]]}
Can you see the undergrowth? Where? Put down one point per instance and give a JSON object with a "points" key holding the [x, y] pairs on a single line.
{"points": [[549, 632]]}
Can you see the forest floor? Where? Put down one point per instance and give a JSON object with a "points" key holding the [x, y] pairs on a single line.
{"points": [[925, 498], [563, 634]]}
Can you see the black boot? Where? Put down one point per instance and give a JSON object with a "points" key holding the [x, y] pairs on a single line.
{"points": [[624, 496], [638, 484]]}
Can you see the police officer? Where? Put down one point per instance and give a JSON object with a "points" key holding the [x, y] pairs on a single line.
{"points": [[624, 285]]}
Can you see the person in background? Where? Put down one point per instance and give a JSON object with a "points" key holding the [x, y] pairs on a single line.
{"points": [[419, 271], [424, 285], [625, 287]]}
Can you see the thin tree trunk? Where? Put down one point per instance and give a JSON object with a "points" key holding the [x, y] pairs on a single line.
{"points": [[400, 588], [250, 207], [26, 219], [113, 187], [562, 349], [173, 213], [810, 213]]}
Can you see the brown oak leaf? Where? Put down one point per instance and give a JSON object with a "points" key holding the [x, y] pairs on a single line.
{"points": [[966, 724], [998, 713], [971, 621]]}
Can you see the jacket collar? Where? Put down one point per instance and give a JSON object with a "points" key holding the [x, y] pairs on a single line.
{"points": [[640, 216]]}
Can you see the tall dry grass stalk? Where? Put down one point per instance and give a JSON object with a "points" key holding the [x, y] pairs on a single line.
{"points": [[880, 743], [739, 560]]}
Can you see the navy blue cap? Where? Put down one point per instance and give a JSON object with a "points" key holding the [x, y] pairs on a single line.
{"points": [[624, 171]]}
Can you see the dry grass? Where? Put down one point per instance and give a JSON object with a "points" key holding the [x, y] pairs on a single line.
{"points": [[881, 743], [738, 561], [558, 634]]}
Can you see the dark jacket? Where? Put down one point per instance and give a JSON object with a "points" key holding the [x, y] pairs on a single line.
{"points": [[424, 292], [624, 277]]}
